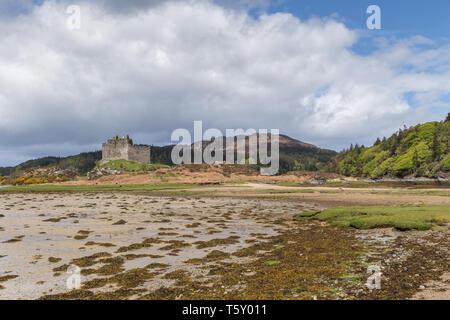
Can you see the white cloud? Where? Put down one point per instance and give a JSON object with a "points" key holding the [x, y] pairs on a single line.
{"points": [[162, 66]]}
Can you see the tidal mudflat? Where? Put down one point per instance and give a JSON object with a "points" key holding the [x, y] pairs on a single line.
{"points": [[143, 246], [107, 234]]}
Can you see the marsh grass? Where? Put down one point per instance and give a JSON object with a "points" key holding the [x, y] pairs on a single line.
{"points": [[403, 218], [273, 191], [417, 192], [306, 214]]}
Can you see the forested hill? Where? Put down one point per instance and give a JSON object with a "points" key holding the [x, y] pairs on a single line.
{"points": [[82, 163], [294, 155], [422, 150]]}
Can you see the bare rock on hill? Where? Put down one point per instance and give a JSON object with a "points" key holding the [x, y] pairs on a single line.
{"points": [[97, 173]]}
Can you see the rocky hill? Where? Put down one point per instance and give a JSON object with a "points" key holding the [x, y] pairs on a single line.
{"points": [[294, 154], [420, 151]]}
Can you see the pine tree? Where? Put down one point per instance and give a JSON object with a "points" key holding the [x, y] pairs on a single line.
{"points": [[415, 160], [394, 144], [377, 142], [448, 117], [435, 148]]}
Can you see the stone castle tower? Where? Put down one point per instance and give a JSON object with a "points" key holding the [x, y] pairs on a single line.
{"points": [[123, 148]]}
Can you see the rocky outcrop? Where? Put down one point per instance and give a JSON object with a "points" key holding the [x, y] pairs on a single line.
{"points": [[100, 172]]}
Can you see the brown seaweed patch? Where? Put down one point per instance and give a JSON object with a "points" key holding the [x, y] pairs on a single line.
{"points": [[54, 260], [188, 236], [112, 266], [12, 240], [157, 265], [193, 225], [88, 260], [146, 243], [132, 278], [131, 256], [120, 222], [175, 244], [183, 277], [8, 277], [95, 283], [54, 219], [217, 242], [167, 234], [62, 268], [80, 294], [217, 255], [177, 274], [100, 244], [214, 255]]}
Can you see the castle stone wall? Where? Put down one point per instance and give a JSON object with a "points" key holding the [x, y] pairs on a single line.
{"points": [[115, 150], [139, 154], [123, 148]]}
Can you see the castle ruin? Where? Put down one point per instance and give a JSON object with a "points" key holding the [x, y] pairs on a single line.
{"points": [[123, 148]]}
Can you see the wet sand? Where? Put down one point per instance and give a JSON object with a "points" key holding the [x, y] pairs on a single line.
{"points": [[64, 227]]}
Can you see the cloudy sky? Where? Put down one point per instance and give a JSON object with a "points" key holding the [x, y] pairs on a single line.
{"points": [[309, 68]]}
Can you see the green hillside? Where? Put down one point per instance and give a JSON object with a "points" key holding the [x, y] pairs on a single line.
{"points": [[82, 163], [422, 150], [6, 171], [304, 158], [161, 155]]}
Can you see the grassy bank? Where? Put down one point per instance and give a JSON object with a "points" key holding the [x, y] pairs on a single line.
{"points": [[422, 217], [312, 189], [89, 188], [377, 184]]}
